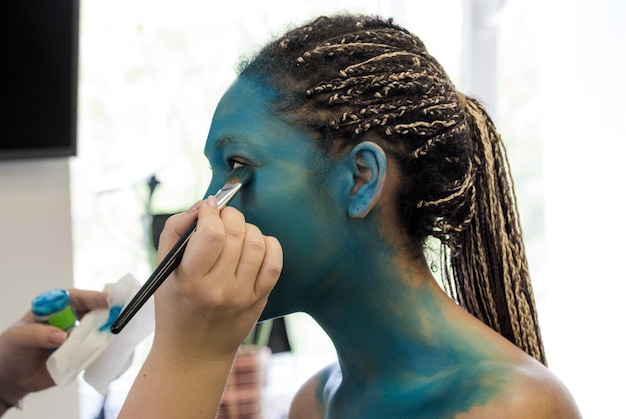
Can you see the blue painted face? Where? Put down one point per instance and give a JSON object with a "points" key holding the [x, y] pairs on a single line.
{"points": [[294, 193]]}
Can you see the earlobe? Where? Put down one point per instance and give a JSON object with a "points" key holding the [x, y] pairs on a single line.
{"points": [[369, 164]]}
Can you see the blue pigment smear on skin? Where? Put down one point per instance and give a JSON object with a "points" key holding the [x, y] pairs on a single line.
{"points": [[114, 312]]}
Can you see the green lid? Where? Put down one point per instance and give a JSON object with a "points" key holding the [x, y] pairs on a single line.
{"points": [[64, 319]]}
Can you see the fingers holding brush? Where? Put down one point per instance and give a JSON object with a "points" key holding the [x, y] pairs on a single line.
{"points": [[235, 235], [207, 243], [270, 269], [215, 296], [260, 263], [178, 225]]}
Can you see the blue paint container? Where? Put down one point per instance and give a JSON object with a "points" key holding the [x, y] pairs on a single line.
{"points": [[54, 307]]}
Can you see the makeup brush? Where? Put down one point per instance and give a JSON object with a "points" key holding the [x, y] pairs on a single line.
{"points": [[240, 176]]}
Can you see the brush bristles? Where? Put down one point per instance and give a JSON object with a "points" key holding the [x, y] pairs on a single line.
{"points": [[241, 174]]}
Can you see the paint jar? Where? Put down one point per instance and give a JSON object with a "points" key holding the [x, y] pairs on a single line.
{"points": [[54, 308]]}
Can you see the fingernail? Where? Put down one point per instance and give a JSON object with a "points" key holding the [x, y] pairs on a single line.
{"points": [[212, 201], [194, 207], [58, 337]]}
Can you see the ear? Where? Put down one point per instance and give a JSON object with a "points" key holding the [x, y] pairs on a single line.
{"points": [[369, 168]]}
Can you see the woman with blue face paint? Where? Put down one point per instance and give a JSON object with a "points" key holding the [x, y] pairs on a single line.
{"points": [[362, 151]]}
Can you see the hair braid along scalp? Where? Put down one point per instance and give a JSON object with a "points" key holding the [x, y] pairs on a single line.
{"points": [[347, 77]]}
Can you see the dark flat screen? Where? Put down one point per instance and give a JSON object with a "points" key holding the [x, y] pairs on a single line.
{"points": [[38, 78]]}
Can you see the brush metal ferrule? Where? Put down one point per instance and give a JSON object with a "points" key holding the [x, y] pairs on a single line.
{"points": [[227, 193]]}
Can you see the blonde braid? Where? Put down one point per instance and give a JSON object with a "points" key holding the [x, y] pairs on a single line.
{"points": [[502, 237]]}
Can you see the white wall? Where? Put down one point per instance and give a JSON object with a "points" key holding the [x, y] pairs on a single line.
{"points": [[35, 255]]}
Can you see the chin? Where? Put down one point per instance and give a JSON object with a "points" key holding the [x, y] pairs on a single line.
{"points": [[280, 303]]}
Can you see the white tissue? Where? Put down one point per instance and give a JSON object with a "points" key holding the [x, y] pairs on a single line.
{"points": [[91, 347]]}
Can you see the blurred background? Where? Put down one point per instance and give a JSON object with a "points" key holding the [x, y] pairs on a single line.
{"points": [[550, 73]]}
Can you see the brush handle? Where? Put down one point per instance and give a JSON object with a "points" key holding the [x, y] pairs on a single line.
{"points": [[163, 270], [168, 264]]}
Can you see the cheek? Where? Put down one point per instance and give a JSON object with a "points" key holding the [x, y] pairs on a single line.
{"points": [[308, 250], [303, 219], [292, 218]]}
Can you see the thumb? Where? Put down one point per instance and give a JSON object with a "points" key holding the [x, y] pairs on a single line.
{"points": [[36, 335]]}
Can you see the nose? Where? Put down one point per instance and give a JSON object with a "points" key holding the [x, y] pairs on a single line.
{"points": [[214, 186]]}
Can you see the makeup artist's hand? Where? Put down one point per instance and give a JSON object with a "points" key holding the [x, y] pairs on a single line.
{"points": [[216, 295], [204, 311], [25, 346]]}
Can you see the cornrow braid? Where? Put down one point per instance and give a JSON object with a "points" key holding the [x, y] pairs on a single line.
{"points": [[346, 78], [494, 240]]}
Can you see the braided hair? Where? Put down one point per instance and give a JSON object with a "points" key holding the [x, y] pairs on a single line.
{"points": [[346, 78]]}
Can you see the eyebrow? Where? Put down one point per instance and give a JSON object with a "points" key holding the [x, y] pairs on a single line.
{"points": [[232, 139], [220, 144], [224, 141], [227, 139]]}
